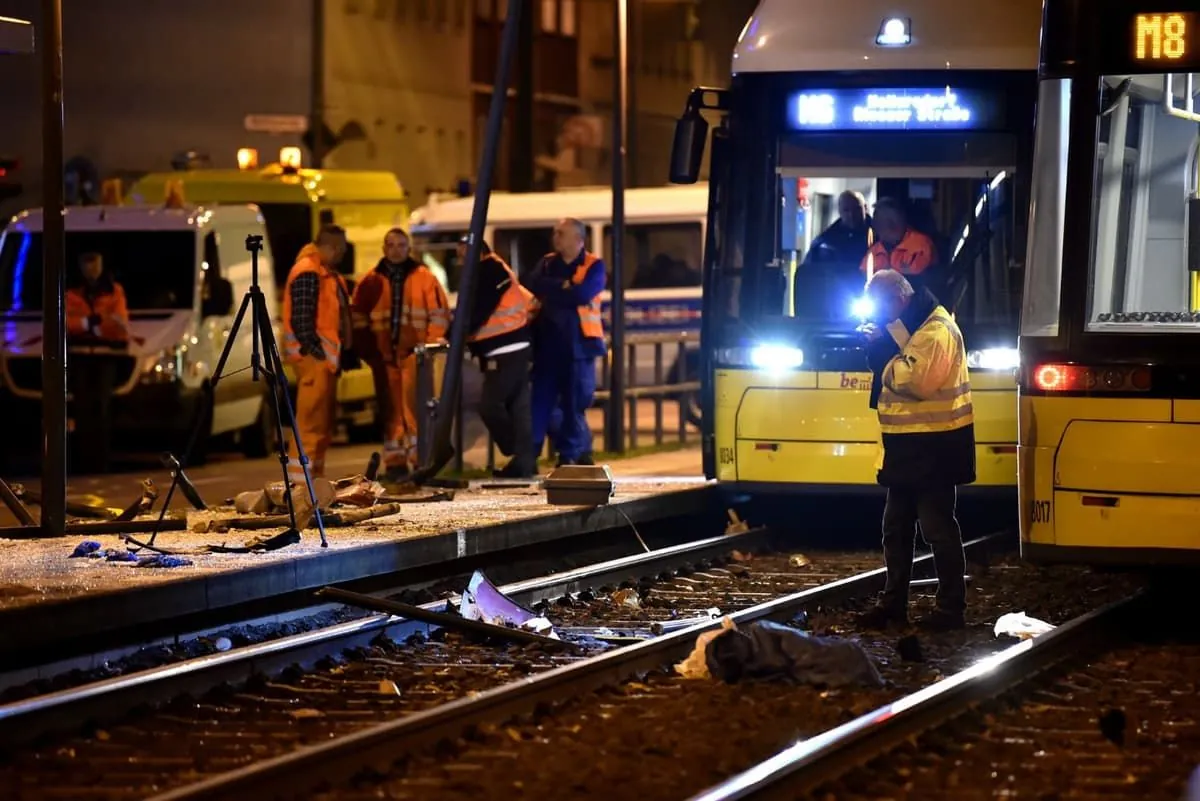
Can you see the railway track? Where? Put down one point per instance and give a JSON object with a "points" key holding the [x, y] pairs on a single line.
{"points": [[325, 762], [331, 682]]}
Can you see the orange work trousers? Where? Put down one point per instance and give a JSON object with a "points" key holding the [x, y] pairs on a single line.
{"points": [[400, 436], [316, 411]]}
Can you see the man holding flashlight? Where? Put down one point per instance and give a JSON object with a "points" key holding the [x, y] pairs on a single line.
{"points": [[922, 393]]}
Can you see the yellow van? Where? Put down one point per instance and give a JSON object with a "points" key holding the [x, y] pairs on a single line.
{"points": [[295, 202]]}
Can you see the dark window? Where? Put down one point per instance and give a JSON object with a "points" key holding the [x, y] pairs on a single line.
{"points": [[523, 248], [439, 252], [289, 228], [157, 269], [660, 255]]}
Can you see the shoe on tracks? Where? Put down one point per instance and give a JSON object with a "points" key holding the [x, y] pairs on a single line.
{"points": [[514, 470], [943, 620], [879, 618]]}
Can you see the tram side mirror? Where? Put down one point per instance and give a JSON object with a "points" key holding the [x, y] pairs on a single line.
{"points": [[687, 151], [1193, 235], [218, 298]]}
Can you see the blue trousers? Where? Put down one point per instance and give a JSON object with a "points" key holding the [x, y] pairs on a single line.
{"points": [[562, 393]]}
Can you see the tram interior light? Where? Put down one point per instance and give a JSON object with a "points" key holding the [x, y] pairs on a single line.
{"points": [[776, 358], [894, 32], [993, 359], [862, 308]]}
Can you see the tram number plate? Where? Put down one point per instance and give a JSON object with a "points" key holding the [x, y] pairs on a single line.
{"points": [[1041, 511], [725, 455]]}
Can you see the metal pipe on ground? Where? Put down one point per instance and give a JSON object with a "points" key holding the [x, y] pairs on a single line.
{"points": [[443, 451]]}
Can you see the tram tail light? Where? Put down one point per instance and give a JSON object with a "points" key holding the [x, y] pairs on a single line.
{"points": [[1079, 378]]}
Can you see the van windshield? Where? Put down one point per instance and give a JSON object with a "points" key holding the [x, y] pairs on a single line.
{"points": [[157, 269]]}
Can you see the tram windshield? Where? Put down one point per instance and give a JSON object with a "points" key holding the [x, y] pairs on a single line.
{"points": [[1145, 251]]}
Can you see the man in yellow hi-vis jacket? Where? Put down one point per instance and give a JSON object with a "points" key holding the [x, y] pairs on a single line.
{"points": [[923, 396]]}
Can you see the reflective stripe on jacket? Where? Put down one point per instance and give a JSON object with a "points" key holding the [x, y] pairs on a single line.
{"points": [[108, 305], [424, 314], [926, 387], [913, 255], [511, 313], [329, 322]]}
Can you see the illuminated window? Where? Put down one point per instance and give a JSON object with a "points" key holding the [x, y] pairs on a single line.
{"points": [[566, 20], [549, 16]]}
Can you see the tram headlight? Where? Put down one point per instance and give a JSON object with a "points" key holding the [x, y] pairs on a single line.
{"points": [[993, 359], [776, 358], [862, 308]]}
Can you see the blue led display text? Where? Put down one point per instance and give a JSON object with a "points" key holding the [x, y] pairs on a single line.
{"points": [[946, 108]]}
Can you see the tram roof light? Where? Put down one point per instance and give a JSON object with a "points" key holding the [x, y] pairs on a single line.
{"points": [[894, 32]]}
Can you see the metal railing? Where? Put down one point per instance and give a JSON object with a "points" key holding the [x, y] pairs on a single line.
{"points": [[663, 359]]}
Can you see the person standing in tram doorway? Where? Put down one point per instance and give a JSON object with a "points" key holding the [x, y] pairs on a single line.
{"points": [[316, 329], [396, 308], [922, 394], [97, 320], [498, 336], [568, 337]]}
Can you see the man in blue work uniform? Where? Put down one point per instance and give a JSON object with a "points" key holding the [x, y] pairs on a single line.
{"points": [[568, 336]]}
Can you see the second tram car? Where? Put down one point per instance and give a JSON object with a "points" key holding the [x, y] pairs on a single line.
{"points": [[931, 108], [1110, 367]]}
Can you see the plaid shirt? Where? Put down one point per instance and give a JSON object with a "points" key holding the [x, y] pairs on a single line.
{"points": [[304, 314]]}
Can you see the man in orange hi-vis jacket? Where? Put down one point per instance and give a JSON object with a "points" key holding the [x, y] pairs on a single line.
{"points": [[316, 328], [397, 307], [96, 315], [897, 246]]}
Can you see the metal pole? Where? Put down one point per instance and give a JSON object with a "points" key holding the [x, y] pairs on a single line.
{"points": [[452, 381], [54, 335], [615, 433], [317, 112], [520, 144]]}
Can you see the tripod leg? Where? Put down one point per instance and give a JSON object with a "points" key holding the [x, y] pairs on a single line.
{"points": [[283, 403], [199, 417]]}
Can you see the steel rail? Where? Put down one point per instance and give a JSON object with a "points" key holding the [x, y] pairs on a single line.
{"points": [[811, 763], [297, 774], [66, 710]]}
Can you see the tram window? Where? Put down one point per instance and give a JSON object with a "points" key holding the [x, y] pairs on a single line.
{"points": [[439, 252], [1040, 310], [1145, 173], [659, 255]]}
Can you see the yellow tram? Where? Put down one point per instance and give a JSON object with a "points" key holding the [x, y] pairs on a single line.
{"points": [[933, 110], [1109, 452]]}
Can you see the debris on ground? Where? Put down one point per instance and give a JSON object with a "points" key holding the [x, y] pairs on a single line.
{"points": [[736, 524], [1021, 626], [483, 601], [799, 560], [766, 650], [627, 597]]}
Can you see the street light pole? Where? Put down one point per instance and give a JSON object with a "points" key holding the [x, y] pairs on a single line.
{"points": [[54, 335], [615, 431]]}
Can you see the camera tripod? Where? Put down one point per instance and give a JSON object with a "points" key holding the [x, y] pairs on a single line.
{"points": [[263, 343]]}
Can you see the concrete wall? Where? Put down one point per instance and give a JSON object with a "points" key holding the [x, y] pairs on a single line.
{"points": [[145, 80]]}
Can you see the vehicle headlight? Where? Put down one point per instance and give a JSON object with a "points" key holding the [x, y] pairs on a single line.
{"points": [[993, 359], [862, 308], [776, 358], [164, 367]]}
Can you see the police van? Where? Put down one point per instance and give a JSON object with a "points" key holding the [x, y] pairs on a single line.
{"points": [[184, 270], [664, 243]]}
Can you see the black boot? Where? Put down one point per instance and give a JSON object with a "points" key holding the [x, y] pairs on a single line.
{"points": [[516, 468]]}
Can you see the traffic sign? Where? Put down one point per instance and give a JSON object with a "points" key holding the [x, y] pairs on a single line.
{"points": [[277, 123]]}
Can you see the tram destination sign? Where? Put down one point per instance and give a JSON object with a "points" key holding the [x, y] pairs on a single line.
{"points": [[943, 108]]}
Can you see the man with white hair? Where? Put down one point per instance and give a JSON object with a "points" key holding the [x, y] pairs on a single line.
{"points": [[923, 396]]}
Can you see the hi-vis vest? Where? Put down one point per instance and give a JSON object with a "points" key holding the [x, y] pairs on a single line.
{"points": [[331, 290], [925, 387], [913, 255], [110, 307], [511, 313], [591, 324], [424, 313]]}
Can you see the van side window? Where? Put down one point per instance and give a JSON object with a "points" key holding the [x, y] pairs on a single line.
{"points": [[289, 228], [523, 248], [659, 255]]}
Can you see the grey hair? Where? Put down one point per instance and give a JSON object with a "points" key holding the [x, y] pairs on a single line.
{"points": [[892, 280], [579, 226]]}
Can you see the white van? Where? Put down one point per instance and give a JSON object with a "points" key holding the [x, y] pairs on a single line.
{"points": [[184, 271], [664, 245]]}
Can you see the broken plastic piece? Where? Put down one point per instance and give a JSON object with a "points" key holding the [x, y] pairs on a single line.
{"points": [[1021, 626], [484, 602]]}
